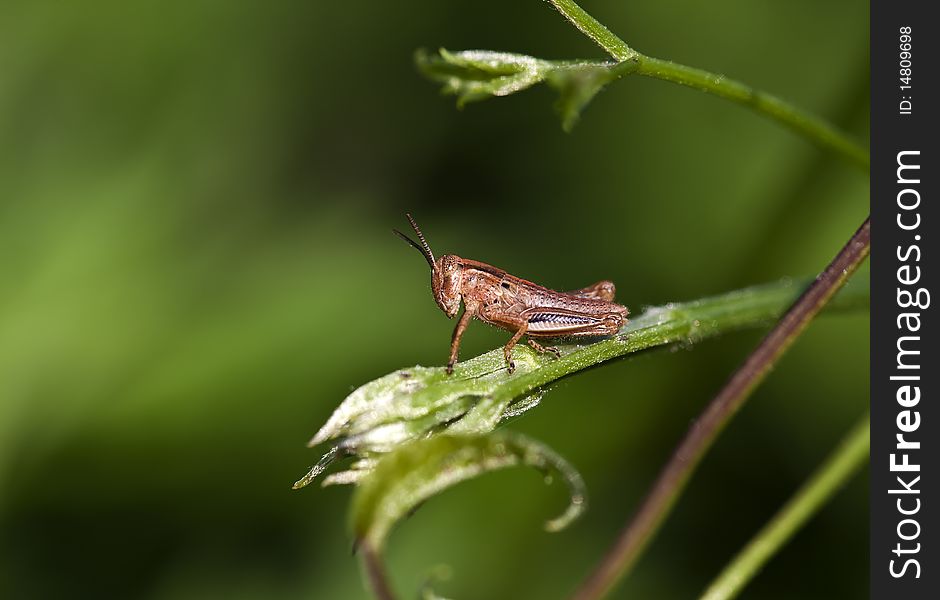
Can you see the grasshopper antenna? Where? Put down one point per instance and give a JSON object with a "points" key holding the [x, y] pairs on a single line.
{"points": [[423, 248]]}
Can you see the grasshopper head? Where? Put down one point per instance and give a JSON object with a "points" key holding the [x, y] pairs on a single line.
{"points": [[445, 272], [445, 283]]}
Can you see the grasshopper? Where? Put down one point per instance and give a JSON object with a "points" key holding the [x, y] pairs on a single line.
{"points": [[508, 302]]}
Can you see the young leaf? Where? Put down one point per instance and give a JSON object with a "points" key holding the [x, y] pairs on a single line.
{"points": [[474, 75], [413, 473]]}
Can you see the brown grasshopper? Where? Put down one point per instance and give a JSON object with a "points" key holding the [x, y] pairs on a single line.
{"points": [[522, 307]]}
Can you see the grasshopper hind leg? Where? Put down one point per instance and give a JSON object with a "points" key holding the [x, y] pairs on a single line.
{"points": [[602, 290], [543, 349], [507, 350]]}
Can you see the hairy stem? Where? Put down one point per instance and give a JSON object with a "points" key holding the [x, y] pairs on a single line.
{"points": [[806, 124], [688, 322], [641, 529], [851, 454], [594, 29]]}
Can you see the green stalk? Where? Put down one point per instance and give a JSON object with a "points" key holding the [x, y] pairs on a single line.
{"points": [[688, 322], [594, 29], [806, 124], [851, 454]]}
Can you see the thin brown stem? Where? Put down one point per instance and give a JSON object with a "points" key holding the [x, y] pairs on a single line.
{"points": [[640, 530], [375, 571]]}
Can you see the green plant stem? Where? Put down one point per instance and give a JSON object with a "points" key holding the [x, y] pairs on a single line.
{"points": [[675, 475], [687, 322], [806, 124], [594, 29], [851, 454]]}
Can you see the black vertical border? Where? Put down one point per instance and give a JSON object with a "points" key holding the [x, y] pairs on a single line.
{"points": [[891, 133]]}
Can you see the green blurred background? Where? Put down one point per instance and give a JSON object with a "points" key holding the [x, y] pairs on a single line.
{"points": [[197, 266]]}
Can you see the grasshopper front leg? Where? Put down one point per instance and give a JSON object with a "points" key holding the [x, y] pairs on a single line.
{"points": [[468, 312]]}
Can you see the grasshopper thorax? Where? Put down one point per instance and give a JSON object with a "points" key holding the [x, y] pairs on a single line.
{"points": [[446, 281]]}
